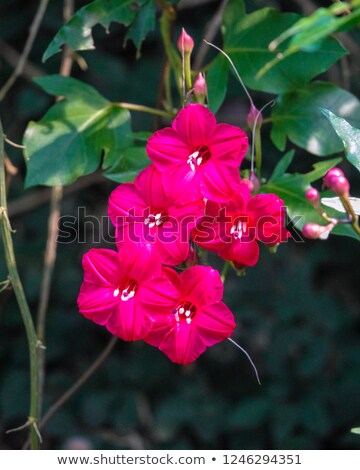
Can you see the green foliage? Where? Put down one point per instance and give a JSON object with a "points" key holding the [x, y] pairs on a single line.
{"points": [[349, 136], [69, 140], [297, 116], [77, 32], [291, 188], [308, 33], [246, 41]]}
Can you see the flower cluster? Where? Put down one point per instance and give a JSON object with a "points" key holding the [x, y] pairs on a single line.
{"points": [[192, 193]]}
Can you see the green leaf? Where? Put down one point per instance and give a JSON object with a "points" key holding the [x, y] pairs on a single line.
{"points": [[291, 188], [246, 40], [308, 33], [131, 161], [356, 430], [349, 136], [216, 80], [144, 22], [297, 116], [75, 135], [283, 164], [77, 32]]}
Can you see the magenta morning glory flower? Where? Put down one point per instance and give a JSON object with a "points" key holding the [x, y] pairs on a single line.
{"points": [[197, 156], [122, 291], [198, 319], [233, 229], [143, 213]]}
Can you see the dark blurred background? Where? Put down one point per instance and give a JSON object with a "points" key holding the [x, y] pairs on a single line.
{"points": [[298, 312]]}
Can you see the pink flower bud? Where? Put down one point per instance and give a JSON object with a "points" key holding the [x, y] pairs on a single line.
{"points": [[334, 172], [251, 117], [255, 181], [200, 87], [248, 183], [339, 185], [313, 196], [316, 231], [185, 43]]}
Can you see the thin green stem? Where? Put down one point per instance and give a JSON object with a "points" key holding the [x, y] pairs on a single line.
{"points": [[145, 109], [350, 210], [225, 270], [167, 18], [34, 344], [258, 150], [187, 70]]}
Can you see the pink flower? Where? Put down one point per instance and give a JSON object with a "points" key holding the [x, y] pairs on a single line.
{"points": [[232, 229], [198, 319], [143, 213], [197, 156], [123, 290]]}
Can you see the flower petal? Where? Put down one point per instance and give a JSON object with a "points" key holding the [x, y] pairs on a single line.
{"points": [[218, 181], [138, 262], [129, 321], [166, 148], [182, 344], [194, 125], [150, 186], [215, 323], [101, 267], [242, 253], [201, 285], [125, 203], [229, 145], [96, 303], [182, 184]]}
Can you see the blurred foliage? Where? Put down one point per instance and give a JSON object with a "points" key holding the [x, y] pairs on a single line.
{"points": [[298, 311]]}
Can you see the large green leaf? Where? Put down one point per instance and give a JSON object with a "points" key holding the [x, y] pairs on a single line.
{"points": [[216, 80], [291, 188], [308, 33], [297, 116], [131, 161], [77, 32], [143, 23], [75, 135], [246, 40], [349, 136]]}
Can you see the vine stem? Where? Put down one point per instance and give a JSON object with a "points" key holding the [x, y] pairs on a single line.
{"points": [[34, 28], [34, 344], [145, 109], [53, 231], [77, 385], [350, 210]]}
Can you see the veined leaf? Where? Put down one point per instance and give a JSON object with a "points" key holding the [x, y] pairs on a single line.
{"points": [[75, 135], [77, 32], [349, 136], [297, 116], [246, 40], [308, 33]]}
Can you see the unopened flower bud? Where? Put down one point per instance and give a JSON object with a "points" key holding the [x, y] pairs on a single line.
{"points": [[339, 185], [252, 115], [333, 173], [313, 196], [248, 183], [316, 231], [255, 181], [185, 43], [200, 87]]}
